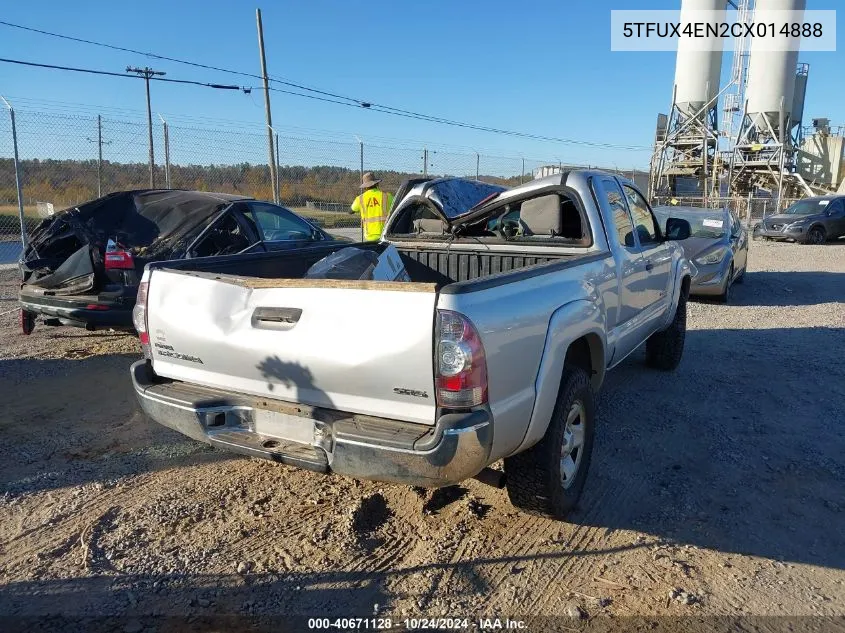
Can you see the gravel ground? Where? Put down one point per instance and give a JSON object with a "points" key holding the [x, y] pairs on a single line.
{"points": [[716, 490]]}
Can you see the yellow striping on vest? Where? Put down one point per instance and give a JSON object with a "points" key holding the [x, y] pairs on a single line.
{"points": [[373, 205]]}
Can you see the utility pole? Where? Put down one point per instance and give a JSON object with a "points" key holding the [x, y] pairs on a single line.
{"points": [[278, 172], [267, 105], [100, 142], [24, 241], [166, 152], [146, 73]]}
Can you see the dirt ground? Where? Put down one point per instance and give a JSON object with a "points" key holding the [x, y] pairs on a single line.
{"points": [[717, 490]]}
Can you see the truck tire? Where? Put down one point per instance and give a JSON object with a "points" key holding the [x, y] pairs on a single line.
{"points": [[547, 479], [663, 350]]}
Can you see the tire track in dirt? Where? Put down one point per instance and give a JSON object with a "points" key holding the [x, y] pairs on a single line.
{"points": [[55, 532]]}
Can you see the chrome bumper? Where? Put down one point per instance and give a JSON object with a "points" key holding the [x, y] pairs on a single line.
{"points": [[455, 449]]}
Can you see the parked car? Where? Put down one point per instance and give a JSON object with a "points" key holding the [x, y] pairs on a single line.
{"points": [[82, 265], [495, 348], [809, 221], [717, 249]]}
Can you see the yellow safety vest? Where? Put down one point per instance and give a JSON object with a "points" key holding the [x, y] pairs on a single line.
{"points": [[373, 205]]}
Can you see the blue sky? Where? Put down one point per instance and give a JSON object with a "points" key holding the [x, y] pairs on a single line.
{"points": [[541, 67]]}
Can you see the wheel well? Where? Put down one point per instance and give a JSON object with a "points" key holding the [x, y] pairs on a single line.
{"points": [[588, 354]]}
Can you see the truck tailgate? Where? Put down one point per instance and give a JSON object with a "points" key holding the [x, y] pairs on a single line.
{"points": [[363, 347]]}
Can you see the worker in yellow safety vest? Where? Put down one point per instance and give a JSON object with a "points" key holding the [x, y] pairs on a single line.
{"points": [[373, 205]]}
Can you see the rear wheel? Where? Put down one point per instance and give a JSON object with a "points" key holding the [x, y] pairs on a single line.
{"points": [[663, 350], [547, 479], [816, 235], [27, 321]]}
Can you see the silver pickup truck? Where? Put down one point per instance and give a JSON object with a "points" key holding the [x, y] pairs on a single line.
{"points": [[519, 300]]}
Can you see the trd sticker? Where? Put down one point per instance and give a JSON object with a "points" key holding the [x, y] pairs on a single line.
{"points": [[410, 392], [169, 352]]}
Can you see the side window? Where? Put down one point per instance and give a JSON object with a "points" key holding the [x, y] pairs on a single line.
{"points": [[225, 237], [837, 206], [277, 223], [619, 213], [644, 222]]}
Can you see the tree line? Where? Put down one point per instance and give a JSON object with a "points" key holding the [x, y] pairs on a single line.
{"points": [[70, 182]]}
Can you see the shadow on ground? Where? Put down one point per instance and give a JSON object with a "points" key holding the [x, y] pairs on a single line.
{"points": [[786, 289], [71, 422], [754, 471]]}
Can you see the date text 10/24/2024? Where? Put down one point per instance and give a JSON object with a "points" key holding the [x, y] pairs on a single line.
{"points": [[484, 624]]}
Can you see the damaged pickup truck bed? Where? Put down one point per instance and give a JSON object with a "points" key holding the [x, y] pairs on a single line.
{"points": [[82, 266], [518, 303]]}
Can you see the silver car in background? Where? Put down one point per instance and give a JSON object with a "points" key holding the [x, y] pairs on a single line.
{"points": [[717, 249]]}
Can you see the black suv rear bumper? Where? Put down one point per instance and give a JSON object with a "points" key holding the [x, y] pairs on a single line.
{"points": [[74, 310]]}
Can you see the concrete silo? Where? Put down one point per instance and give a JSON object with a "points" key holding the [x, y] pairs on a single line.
{"points": [[683, 162], [764, 153]]}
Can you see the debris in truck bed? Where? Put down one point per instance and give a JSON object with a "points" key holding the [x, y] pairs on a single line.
{"points": [[347, 263], [357, 263]]}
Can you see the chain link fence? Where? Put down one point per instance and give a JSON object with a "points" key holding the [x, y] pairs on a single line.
{"points": [[69, 158], [66, 159], [750, 211]]}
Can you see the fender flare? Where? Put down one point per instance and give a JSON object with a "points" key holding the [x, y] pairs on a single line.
{"points": [[580, 319], [681, 272]]}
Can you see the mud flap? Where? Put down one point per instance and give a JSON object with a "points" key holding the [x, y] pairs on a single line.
{"points": [[27, 321]]}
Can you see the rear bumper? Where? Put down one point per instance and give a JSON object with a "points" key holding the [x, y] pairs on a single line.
{"points": [[71, 310], [455, 449]]}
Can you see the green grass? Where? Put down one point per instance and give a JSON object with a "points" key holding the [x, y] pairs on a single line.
{"points": [[9, 224], [329, 219], [12, 210]]}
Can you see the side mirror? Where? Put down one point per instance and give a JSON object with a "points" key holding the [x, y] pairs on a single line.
{"points": [[677, 229]]}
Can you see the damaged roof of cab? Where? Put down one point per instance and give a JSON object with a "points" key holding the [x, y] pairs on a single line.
{"points": [[140, 218]]}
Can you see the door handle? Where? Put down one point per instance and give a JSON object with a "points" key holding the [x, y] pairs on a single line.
{"points": [[649, 266], [275, 318]]}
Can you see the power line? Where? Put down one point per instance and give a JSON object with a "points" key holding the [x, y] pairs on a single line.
{"points": [[128, 50], [338, 99], [107, 73]]}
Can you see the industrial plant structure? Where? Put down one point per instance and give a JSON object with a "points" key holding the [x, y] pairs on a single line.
{"points": [[687, 148], [761, 147]]}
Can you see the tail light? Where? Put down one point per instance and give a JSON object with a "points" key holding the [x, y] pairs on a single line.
{"points": [[139, 318], [461, 366], [119, 260]]}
